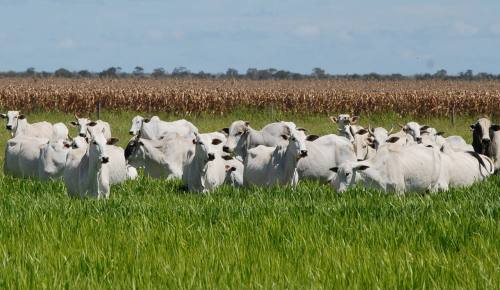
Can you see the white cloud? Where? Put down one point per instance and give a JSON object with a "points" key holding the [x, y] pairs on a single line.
{"points": [[464, 29], [66, 43], [307, 31]]}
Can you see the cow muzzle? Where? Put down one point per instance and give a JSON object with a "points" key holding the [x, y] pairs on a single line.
{"points": [[303, 153], [211, 156], [104, 160], [8, 127], [419, 140], [226, 149], [486, 141]]}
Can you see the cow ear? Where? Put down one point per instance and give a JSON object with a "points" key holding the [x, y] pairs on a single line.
{"points": [[73, 123], [334, 169], [225, 131], [440, 133], [91, 124], [216, 141], [354, 119], [285, 137], [473, 126], [312, 137], [423, 128], [112, 141], [21, 117], [3, 116], [302, 129], [227, 157], [146, 120], [361, 167], [495, 128], [333, 119], [362, 132], [247, 123], [194, 141], [393, 139]]}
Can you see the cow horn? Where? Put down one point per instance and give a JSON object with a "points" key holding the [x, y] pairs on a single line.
{"points": [[333, 119], [390, 131], [370, 130], [400, 125], [76, 117]]}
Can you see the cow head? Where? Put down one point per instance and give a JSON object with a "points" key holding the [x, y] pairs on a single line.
{"points": [[481, 138], [206, 147], [81, 124], [236, 133], [98, 142], [296, 141], [378, 136], [13, 118], [136, 125], [413, 129], [362, 144], [346, 175]]}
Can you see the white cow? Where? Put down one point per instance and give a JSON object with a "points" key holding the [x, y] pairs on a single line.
{"points": [[242, 137], [465, 168], [90, 177], [412, 129], [22, 154], [82, 125], [346, 125], [324, 153], [18, 125], [379, 136], [363, 144], [53, 154], [164, 158], [430, 136], [269, 166], [154, 128], [206, 169], [234, 171], [395, 168]]}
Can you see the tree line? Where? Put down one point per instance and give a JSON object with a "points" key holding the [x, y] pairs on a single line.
{"points": [[251, 73]]}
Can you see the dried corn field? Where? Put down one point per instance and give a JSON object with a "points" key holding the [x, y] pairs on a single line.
{"points": [[424, 98]]}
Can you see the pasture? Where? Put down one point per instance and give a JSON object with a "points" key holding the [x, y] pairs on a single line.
{"points": [[151, 234]]}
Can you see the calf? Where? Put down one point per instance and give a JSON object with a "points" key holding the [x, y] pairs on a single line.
{"points": [[268, 166]]}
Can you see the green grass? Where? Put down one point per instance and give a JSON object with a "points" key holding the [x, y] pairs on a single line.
{"points": [[150, 234]]}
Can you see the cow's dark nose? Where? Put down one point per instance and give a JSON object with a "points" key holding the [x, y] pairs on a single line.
{"points": [[486, 141], [303, 153], [211, 156], [360, 159], [8, 127], [81, 135], [226, 149], [419, 140], [105, 160]]}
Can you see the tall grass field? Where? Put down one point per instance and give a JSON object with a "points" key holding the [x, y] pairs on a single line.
{"points": [[151, 234]]}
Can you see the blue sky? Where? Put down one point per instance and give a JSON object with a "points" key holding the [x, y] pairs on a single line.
{"points": [[384, 36]]}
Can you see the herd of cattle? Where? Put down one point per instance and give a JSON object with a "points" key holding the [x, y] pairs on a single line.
{"points": [[416, 158]]}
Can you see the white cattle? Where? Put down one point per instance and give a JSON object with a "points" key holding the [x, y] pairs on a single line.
{"points": [[154, 128], [53, 159], [22, 154], [164, 158], [91, 176], [324, 153], [346, 125], [206, 169], [378, 136], [82, 125], [18, 125], [242, 137], [363, 144], [486, 140], [269, 166], [234, 171], [412, 129], [430, 136], [395, 168], [464, 168]]}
